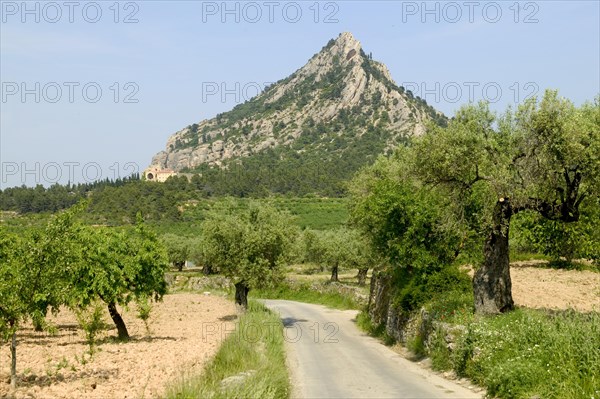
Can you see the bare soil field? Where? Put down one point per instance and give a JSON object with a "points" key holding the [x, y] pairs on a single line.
{"points": [[534, 286], [58, 366], [537, 287]]}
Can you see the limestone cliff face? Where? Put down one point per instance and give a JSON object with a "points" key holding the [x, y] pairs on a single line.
{"points": [[340, 85]]}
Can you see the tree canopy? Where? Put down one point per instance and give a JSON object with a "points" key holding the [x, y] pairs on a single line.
{"points": [[248, 245], [472, 176]]}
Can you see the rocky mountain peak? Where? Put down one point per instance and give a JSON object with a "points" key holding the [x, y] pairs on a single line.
{"points": [[341, 97], [345, 45]]}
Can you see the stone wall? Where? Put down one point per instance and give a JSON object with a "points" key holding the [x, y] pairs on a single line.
{"points": [[401, 326]]}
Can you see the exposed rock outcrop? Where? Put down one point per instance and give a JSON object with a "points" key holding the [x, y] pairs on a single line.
{"points": [[339, 85]]}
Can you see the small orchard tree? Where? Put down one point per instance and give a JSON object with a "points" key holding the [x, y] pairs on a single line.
{"points": [[12, 309], [118, 267], [342, 247], [178, 249], [312, 249], [248, 245], [33, 269], [542, 158]]}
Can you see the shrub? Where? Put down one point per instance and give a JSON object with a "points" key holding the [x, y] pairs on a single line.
{"points": [[91, 320], [417, 288]]}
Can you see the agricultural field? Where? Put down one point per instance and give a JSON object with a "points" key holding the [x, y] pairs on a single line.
{"points": [[59, 365]]}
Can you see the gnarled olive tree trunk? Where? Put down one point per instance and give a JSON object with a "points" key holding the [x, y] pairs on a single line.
{"points": [[334, 273], [362, 276], [241, 294], [492, 289]]}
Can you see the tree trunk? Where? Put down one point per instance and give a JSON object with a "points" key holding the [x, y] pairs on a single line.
{"points": [[492, 288], [207, 270], [13, 360], [241, 294], [362, 276], [38, 324], [118, 320], [334, 273], [179, 266]]}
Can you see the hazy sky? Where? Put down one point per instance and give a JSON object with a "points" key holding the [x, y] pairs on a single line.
{"points": [[94, 89]]}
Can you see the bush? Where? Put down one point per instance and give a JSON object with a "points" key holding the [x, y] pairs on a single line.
{"points": [[417, 288], [91, 320]]}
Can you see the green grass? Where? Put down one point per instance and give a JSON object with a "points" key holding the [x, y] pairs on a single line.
{"points": [[520, 256], [528, 353], [364, 322], [331, 295], [523, 354], [256, 348]]}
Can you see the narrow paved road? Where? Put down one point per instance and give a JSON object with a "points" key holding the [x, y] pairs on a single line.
{"points": [[329, 357]]}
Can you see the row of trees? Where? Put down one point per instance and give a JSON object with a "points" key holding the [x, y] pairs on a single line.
{"points": [[55, 197], [454, 191], [252, 244], [74, 265]]}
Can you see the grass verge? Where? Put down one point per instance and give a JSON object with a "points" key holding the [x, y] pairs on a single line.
{"points": [[333, 295], [249, 364], [527, 353]]}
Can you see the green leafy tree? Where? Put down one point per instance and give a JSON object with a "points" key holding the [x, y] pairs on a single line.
{"points": [[408, 224], [12, 309], [542, 158], [178, 249], [402, 219], [118, 267], [342, 247], [33, 269], [249, 245]]}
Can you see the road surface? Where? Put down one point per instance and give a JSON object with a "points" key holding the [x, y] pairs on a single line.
{"points": [[329, 357]]}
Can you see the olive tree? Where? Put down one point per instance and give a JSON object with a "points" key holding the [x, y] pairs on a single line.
{"points": [[342, 247], [178, 249], [248, 245], [541, 158], [403, 220]]}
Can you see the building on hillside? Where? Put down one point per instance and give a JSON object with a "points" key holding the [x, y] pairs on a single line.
{"points": [[154, 173]]}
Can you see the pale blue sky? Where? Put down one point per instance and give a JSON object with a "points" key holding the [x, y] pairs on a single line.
{"points": [[176, 50]]}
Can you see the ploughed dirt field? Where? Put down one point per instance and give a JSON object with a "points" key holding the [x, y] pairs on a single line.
{"points": [[56, 367], [536, 287]]}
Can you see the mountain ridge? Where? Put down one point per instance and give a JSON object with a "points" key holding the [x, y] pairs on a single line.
{"points": [[340, 103]]}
